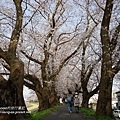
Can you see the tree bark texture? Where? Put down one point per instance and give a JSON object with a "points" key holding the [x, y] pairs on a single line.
{"points": [[47, 96], [47, 99], [104, 106], [12, 89], [11, 92]]}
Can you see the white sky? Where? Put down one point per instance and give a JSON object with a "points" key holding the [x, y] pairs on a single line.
{"points": [[26, 92]]}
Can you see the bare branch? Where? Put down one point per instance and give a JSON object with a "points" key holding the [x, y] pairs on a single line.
{"points": [[30, 86], [2, 81], [30, 58], [116, 68], [16, 32], [99, 5], [115, 37], [31, 18], [3, 54]]}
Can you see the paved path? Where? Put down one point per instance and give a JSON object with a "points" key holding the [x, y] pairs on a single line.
{"points": [[62, 114]]}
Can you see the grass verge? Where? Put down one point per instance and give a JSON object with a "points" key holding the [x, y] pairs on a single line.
{"points": [[91, 113], [35, 115]]}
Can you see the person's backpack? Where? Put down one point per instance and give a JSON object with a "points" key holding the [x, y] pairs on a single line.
{"points": [[69, 99]]}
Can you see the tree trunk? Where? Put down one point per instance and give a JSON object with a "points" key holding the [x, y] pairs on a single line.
{"points": [[12, 92], [40, 100], [17, 78], [104, 106], [85, 99], [13, 88], [85, 102], [46, 98], [53, 97]]}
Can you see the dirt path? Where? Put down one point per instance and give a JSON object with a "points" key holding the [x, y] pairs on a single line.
{"points": [[63, 114], [32, 107]]}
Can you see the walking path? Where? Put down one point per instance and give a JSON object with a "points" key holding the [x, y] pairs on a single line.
{"points": [[63, 114], [32, 107]]}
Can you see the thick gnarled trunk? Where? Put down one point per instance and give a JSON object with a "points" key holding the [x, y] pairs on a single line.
{"points": [[12, 89], [11, 92], [53, 97], [47, 98], [17, 78]]}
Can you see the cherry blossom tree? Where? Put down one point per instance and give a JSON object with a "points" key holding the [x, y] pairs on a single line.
{"points": [[109, 68], [11, 90]]}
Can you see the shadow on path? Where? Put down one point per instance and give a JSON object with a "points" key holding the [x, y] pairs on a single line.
{"points": [[62, 114]]}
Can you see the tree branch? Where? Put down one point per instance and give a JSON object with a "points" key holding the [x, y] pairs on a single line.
{"points": [[116, 69], [30, 86], [115, 37], [3, 55], [18, 25], [99, 5], [2, 81], [30, 58], [94, 91]]}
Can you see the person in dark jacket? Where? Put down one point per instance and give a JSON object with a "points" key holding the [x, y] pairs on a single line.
{"points": [[76, 102]]}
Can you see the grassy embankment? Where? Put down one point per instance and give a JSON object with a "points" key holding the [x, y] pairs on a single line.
{"points": [[91, 113], [35, 115]]}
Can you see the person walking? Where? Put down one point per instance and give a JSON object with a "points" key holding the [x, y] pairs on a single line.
{"points": [[76, 102], [69, 102]]}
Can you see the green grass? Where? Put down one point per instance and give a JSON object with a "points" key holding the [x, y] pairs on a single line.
{"points": [[87, 111], [35, 115], [91, 113], [34, 102]]}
